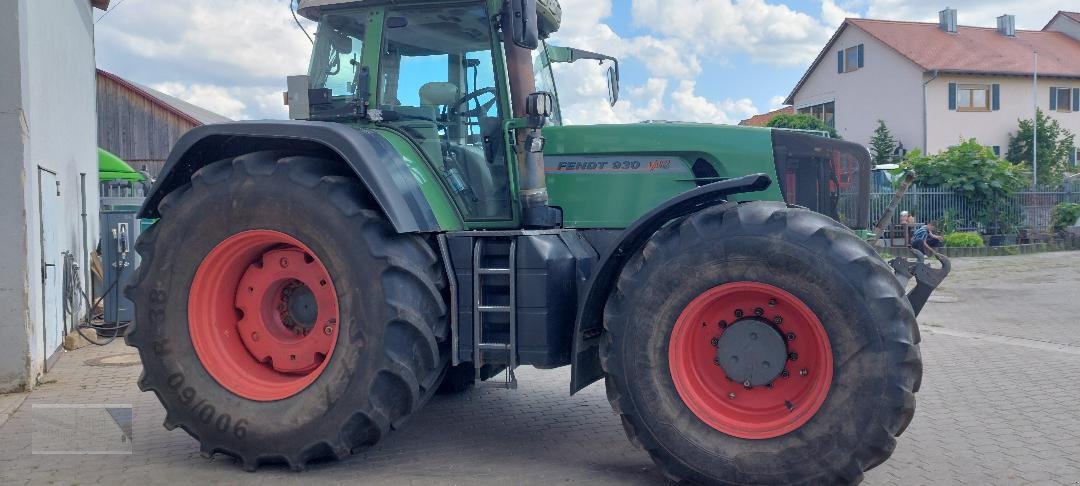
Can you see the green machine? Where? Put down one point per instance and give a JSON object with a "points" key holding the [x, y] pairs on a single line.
{"points": [[426, 222]]}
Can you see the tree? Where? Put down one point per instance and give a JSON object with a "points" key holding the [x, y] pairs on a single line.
{"points": [[883, 145], [802, 121], [1055, 145], [973, 172]]}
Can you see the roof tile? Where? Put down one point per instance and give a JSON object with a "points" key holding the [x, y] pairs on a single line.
{"points": [[977, 49]]}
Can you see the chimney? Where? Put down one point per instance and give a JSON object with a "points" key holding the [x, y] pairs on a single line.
{"points": [[947, 20], [1007, 25]]}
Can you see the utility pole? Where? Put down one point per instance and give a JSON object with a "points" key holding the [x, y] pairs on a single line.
{"points": [[1035, 126]]}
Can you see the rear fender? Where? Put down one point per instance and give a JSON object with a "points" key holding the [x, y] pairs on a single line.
{"points": [[370, 156], [589, 326]]}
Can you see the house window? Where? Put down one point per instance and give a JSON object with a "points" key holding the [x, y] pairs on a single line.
{"points": [[1061, 99], [849, 59], [825, 112], [973, 97]]}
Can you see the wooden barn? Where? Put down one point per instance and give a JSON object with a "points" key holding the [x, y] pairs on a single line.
{"points": [[140, 124]]}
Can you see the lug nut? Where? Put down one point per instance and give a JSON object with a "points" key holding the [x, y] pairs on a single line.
{"points": [[778, 320], [328, 330], [723, 324], [284, 262], [746, 384], [785, 374], [793, 356], [758, 311], [715, 342], [716, 361], [789, 405], [772, 302], [738, 313], [731, 395], [790, 336], [803, 372]]}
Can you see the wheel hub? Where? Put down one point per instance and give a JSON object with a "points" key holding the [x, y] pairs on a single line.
{"points": [[263, 315], [752, 352], [750, 359], [301, 309]]}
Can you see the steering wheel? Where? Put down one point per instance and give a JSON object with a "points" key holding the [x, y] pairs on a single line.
{"points": [[478, 111]]}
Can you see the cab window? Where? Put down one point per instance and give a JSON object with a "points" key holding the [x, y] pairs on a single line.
{"points": [[437, 85]]}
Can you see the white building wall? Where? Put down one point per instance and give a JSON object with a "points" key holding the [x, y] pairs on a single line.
{"points": [[949, 127], [888, 87], [47, 119]]}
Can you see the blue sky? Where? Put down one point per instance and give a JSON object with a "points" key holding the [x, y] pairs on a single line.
{"points": [[716, 61]]}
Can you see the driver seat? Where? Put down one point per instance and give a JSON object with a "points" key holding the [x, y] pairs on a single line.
{"points": [[472, 163]]}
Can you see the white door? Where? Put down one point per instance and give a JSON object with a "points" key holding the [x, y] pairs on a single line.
{"points": [[51, 207]]}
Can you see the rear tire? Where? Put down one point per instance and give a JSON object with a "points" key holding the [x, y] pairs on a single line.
{"points": [[761, 249], [390, 346]]}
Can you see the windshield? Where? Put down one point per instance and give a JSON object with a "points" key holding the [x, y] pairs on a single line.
{"points": [[436, 84], [336, 56], [545, 81]]}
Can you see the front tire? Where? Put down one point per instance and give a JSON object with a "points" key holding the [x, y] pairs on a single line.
{"points": [[280, 318], [761, 344]]}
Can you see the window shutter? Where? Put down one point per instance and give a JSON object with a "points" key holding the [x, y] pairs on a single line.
{"points": [[860, 55], [840, 61], [1053, 98], [1076, 99], [952, 96], [995, 95], [997, 150]]}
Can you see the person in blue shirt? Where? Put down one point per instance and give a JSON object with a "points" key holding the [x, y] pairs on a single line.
{"points": [[925, 240]]}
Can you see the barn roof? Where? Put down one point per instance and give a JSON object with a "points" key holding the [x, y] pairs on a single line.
{"points": [[193, 114]]}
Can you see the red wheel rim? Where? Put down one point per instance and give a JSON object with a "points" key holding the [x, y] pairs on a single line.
{"points": [[263, 315], [756, 412]]}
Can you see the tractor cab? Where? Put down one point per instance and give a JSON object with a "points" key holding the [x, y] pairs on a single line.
{"points": [[458, 80], [431, 76]]}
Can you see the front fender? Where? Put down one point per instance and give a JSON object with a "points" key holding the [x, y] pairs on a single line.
{"points": [[370, 156], [589, 326]]}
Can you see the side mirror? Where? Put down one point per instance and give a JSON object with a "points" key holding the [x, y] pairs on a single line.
{"points": [[520, 21], [613, 85]]}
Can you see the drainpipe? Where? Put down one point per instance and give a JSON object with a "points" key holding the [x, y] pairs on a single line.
{"points": [[925, 119], [87, 283]]}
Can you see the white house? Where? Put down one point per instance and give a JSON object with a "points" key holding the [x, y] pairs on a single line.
{"points": [[47, 142], [936, 84]]}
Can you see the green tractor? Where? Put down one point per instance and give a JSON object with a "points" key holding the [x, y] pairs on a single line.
{"points": [[426, 223]]}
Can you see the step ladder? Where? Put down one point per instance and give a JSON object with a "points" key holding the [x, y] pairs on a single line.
{"points": [[493, 352]]}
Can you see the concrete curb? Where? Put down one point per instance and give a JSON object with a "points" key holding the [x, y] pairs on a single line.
{"points": [[1007, 250], [9, 403]]}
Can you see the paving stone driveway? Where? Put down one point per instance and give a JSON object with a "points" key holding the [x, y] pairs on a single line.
{"points": [[1000, 404]]}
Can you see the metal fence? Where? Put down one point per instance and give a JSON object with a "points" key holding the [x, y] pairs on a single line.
{"points": [[1028, 209]]}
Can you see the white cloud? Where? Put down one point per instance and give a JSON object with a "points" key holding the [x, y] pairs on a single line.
{"points": [[213, 98], [670, 60], [227, 55], [769, 33], [776, 102], [833, 15]]}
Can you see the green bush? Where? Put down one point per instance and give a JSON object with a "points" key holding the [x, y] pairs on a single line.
{"points": [[966, 239], [1065, 215], [973, 172], [801, 121]]}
